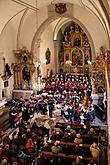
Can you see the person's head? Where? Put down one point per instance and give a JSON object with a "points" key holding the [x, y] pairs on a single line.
{"points": [[72, 131], [24, 136], [15, 163], [68, 127], [4, 162], [6, 146], [92, 162], [56, 143], [78, 135], [78, 160], [91, 130], [22, 157], [94, 145]]}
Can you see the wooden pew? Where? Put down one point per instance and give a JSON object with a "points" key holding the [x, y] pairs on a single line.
{"points": [[72, 157], [76, 126], [71, 144], [79, 125]]}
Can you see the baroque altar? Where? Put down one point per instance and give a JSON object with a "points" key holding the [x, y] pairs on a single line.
{"points": [[23, 69], [98, 72], [75, 51]]}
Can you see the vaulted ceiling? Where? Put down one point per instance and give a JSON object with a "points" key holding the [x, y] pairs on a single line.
{"points": [[16, 12], [11, 8]]}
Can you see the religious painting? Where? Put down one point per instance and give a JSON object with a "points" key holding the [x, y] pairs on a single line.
{"points": [[77, 57], [26, 74], [77, 42]]}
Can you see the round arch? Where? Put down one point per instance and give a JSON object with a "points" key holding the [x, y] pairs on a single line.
{"points": [[42, 27]]}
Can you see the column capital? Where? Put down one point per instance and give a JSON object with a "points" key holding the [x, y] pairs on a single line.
{"points": [[55, 43]]}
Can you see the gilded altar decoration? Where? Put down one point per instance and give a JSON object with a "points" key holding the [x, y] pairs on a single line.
{"points": [[108, 66], [23, 69], [60, 8], [75, 47], [98, 72]]}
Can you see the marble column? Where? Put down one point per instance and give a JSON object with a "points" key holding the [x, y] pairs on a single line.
{"points": [[56, 44]]}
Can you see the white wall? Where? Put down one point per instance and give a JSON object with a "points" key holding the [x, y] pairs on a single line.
{"points": [[8, 42], [29, 26], [47, 42], [94, 27], [8, 38]]}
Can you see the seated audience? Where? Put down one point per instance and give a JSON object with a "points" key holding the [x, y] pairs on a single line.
{"points": [[56, 147], [78, 139], [91, 132], [78, 161]]}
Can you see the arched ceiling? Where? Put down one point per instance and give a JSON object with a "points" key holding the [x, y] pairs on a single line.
{"points": [[15, 9], [10, 8]]}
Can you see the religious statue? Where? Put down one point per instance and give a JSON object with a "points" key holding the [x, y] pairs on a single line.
{"points": [[7, 70], [77, 57], [47, 55], [25, 85], [38, 70], [7, 73], [67, 38]]}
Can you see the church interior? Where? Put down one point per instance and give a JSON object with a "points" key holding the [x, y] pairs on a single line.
{"points": [[54, 82]]}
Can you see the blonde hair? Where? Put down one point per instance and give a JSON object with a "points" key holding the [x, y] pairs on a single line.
{"points": [[4, 162], [15, 163]]}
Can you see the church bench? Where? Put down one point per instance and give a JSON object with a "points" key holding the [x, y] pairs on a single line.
{"points": [[99, 132], [89, 139], [80, 125], [70, 144], [72, 157], [86, 139]]}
